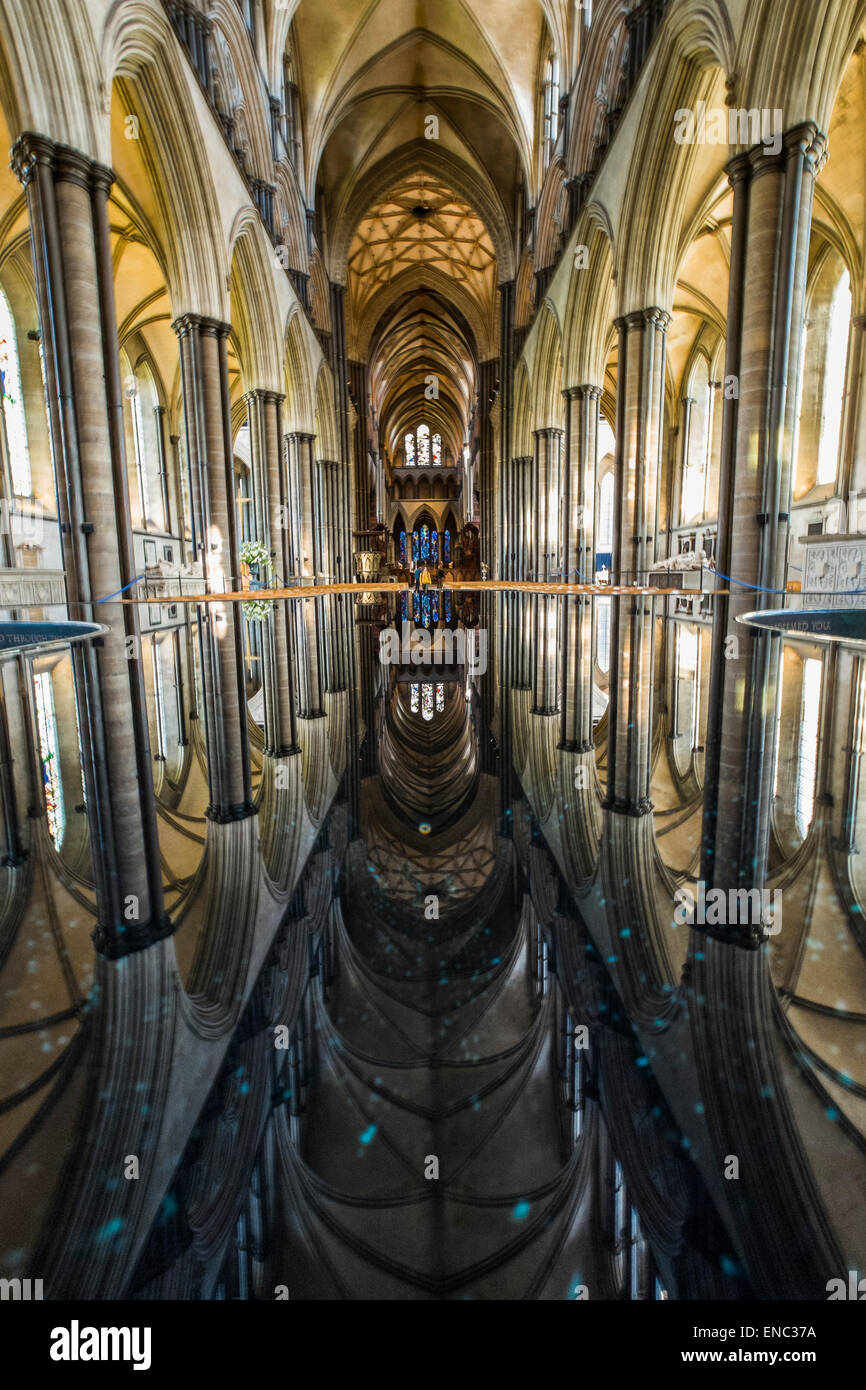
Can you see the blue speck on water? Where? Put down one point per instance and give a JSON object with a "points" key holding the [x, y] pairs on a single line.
{"points": [[112, 1228], [368, 1134], [521, 1211]]}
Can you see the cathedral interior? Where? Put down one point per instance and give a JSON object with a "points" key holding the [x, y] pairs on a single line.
{"points": [[429, 881]]}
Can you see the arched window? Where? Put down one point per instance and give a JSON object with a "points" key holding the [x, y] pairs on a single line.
{"points": [[409, 446], [415, 548], [403, 548], [440, 699], [12, 403], [551, 106], [437, 449], [50, 756], [422, 436], [446, 547], [834, 380], [699, 406], [427, 700], [291, 122], [415, 699], [434, 605], [807, 745], [434, 547], [426, 608], [446, 604], [424, 539], [605, 520], [143, 403], [602, 633]]}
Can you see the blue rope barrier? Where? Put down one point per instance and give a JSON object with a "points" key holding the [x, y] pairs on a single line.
{"points": [[108, 597]]}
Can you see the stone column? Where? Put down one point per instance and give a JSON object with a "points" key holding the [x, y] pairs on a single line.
{"points": [[769, 259], [640, 404], [545, 536], [506, 409], [578, 550], [271, 509], [207, 416], [67, 197], [303, 491]]}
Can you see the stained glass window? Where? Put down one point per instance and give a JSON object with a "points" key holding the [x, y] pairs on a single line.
{"points": [[404, 605], [446, 603], [440, 698], [425, 609], [47, 725], [427, 700], [12, 403], [446, 547], [425, 542], [409, 445], [416, 608], [415, 699], [434, 547], [435, 605], [423, 437], [415, 551], [437, 448], [402, 547]]}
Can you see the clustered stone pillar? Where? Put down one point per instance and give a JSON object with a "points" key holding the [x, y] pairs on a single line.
{"points": [[578, 551], [207, 418], [547, 489], [769, 261], [640, 404], [306, 556], [67, 197], [272, 512]]}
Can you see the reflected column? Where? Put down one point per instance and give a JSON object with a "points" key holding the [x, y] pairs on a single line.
{"points": [[769, 261], [207, 419], [640, 404], [578, 548], [67, 199]]}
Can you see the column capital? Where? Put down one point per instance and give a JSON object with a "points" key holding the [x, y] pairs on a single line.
{"points": [[67, 164], [261, 393], [548, 432], [585, 392], [125, 938], [187, 324], [299, 436], [804, 140], [639, 319]]}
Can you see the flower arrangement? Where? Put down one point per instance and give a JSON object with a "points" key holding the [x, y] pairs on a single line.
{"points": [[256, 556], [255, 553], [258, 610]]}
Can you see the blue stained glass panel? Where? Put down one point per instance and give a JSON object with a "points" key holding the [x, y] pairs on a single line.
{"points": [[425, 542], [446, 546], [402, 547], [415, 549], [446, 604], [425, 609], [434, 547]]}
